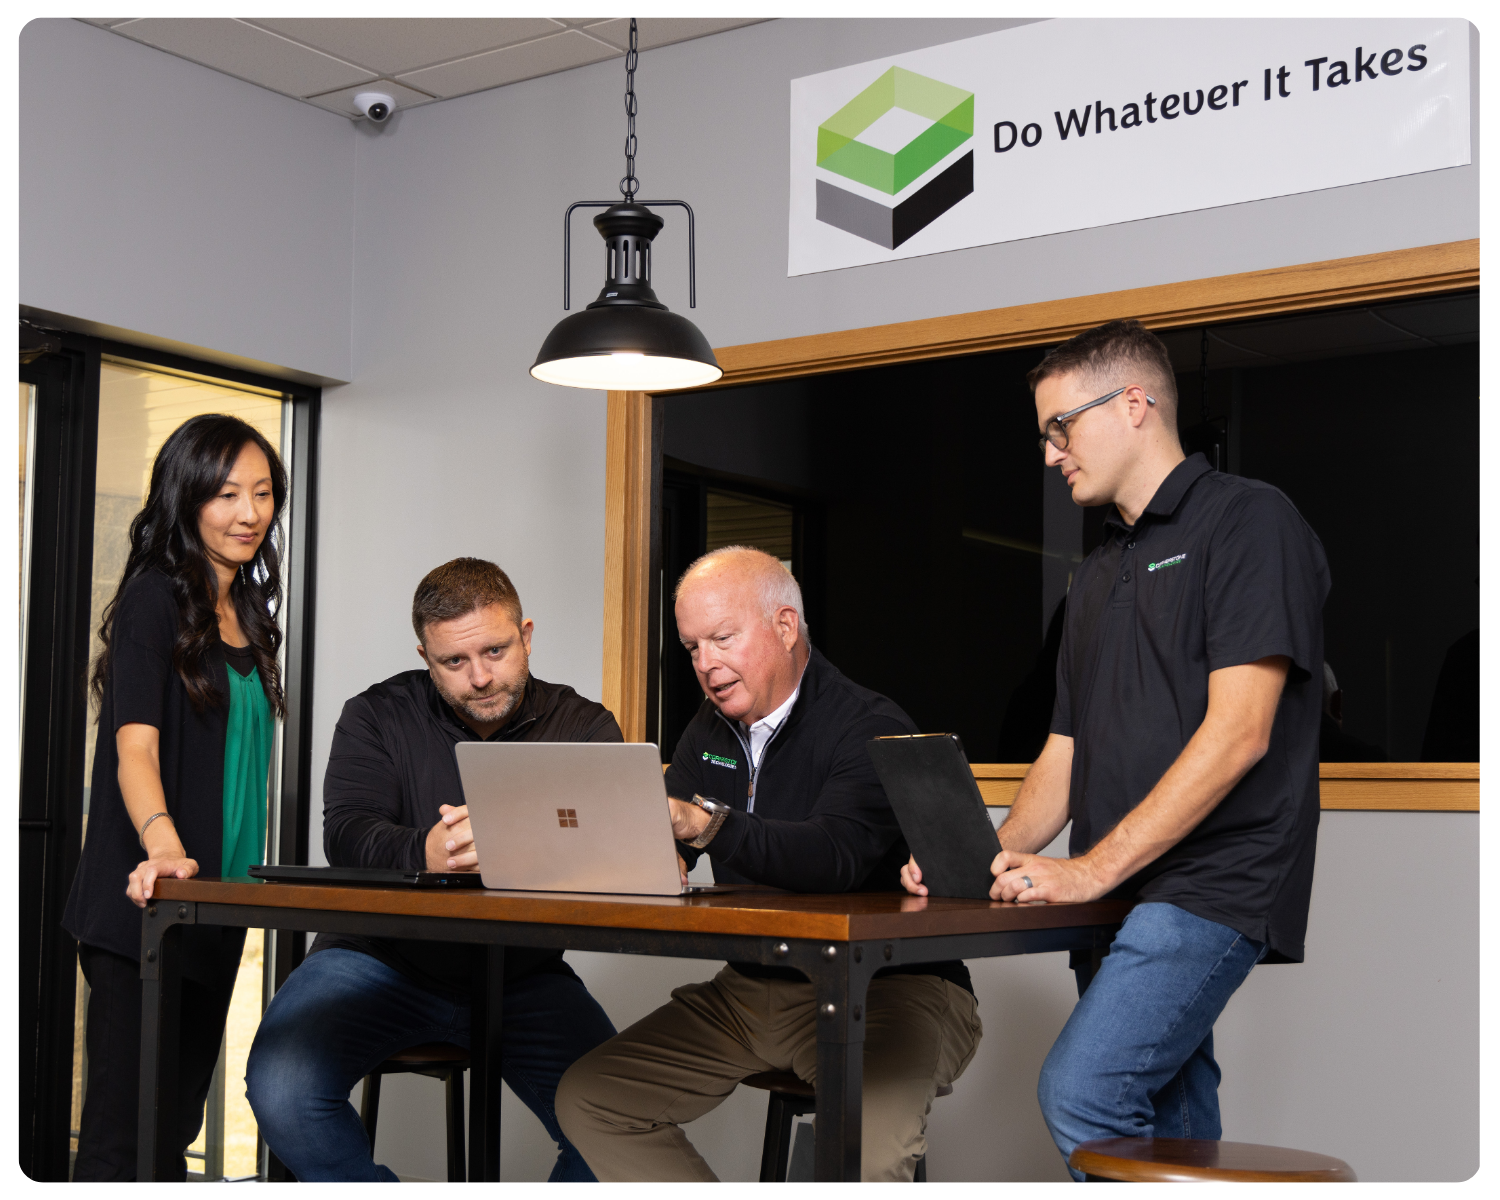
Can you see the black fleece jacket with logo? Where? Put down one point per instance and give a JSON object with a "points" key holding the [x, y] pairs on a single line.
{"points": [[821, 821]]}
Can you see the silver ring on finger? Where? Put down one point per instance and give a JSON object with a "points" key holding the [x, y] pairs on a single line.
{"points": [[1026, 879]]}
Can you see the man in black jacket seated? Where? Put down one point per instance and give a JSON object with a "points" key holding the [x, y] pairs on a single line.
{"points": [[392, 798], [781, 738]]}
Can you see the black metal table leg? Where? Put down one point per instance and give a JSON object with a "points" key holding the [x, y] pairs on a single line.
{"points": [[158, 1156], [488, 1009], [841, 977]]}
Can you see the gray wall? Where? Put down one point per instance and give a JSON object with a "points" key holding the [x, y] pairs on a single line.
{"points": [[420, 261], [166, 202]]}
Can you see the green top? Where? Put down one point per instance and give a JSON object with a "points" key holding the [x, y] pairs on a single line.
{"points": [[247, 762]]}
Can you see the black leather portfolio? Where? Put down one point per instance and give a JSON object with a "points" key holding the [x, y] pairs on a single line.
{"points": [[929, 784]]}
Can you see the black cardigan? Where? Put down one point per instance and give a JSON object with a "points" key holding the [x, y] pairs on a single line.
{"points": [[144, 688]]}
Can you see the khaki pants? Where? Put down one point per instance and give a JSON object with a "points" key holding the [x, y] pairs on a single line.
{"points": [[622, 1104]]}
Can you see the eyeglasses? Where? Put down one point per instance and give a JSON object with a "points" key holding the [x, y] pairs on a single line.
{"points": [[1057, 433]]}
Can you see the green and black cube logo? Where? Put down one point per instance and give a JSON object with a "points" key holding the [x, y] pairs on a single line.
{"points": [[939, 118]]}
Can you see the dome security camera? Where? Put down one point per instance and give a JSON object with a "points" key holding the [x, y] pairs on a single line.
{"points": [[377, 106]]}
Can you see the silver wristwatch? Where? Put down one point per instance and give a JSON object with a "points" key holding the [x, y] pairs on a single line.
{"points": [[717, 813]]}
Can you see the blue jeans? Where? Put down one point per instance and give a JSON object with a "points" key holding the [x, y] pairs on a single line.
{"points": [[342, 1012], [1136, 1058]]}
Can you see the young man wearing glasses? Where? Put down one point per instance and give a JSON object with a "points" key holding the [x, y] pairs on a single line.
{"points": [[1183, 745]]}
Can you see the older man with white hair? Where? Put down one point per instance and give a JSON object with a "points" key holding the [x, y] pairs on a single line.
{"points": [[781, 741]]}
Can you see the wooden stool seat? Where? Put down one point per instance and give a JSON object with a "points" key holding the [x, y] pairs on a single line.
{"points": [[780, 1081], [792, 1085], [1194, 1160], [436, 1056], [437, 1060], [792, 1097]]}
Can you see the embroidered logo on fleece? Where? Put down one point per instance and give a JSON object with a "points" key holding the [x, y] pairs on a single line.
{"points": [[719, 761], [1166, 562]]}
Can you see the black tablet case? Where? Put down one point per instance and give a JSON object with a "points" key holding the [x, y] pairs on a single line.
{"points": [[930, 786]]}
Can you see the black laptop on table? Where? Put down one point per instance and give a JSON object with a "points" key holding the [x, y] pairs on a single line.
{"points": [[368, 876], [943, 817]]}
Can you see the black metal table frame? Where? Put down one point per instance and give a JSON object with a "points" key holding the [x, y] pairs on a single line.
{"points": [[840, 973]]}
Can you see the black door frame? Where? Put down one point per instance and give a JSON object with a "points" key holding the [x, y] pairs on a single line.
{"points": [[55, 703], [54, 715]]}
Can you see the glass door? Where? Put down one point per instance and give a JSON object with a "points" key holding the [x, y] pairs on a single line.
{"points": [[139, 408]]}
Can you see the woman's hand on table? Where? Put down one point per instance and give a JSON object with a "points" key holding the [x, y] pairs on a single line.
{"points": [[172, 863]]}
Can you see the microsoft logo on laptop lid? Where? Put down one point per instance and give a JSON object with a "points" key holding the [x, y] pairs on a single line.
{"points": [[889, 139]]}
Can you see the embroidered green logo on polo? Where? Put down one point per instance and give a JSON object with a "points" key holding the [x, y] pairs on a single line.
{"points": [[719, 761], [1166, 562]]}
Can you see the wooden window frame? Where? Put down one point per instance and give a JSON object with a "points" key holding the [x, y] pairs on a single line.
{"points": [[632, 478]]}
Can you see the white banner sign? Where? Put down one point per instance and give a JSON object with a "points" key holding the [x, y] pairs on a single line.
{"points": [[1070, 124]]}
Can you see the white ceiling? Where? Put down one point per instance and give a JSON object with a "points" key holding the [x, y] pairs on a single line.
{"points": [[326, 60]]}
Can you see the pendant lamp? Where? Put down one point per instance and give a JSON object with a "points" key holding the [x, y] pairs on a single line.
{"points": [[627, 339]]}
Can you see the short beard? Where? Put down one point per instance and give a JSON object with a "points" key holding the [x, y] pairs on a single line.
{"points": [[512, 692]]}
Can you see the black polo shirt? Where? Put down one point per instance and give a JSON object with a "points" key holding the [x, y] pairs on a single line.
{"points": [[1219, 571]]}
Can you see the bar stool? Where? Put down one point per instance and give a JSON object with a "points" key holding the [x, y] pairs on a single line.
{"points": [[791, 1097], [1195, 1160], [437, 1060]]}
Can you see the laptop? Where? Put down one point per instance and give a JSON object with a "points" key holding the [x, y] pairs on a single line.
{"points": [[943, 817], [571, 817], [366, 876]]}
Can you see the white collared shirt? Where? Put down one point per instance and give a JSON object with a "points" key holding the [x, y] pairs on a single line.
{"points": [[765, 729], [756, 737]]}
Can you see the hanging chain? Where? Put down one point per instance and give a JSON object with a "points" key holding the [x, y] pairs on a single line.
{"points": [[630, 184]]}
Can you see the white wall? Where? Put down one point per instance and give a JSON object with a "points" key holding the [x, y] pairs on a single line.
{"points": [[224, 219], [161, 201]]}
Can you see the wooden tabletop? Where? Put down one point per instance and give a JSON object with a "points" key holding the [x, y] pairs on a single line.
{"points": [[844, 917]]}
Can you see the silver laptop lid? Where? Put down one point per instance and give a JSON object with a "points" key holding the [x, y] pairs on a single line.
{"points": [[570, 816]]}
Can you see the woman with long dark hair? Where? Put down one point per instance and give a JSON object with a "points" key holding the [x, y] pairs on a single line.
{"points": [[187, 688]]}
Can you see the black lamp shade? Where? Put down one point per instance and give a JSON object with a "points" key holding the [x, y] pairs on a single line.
{"points": [[626, 348], [627, 340]]}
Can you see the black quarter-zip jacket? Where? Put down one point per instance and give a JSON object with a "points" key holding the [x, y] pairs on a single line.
{"points": [[821, 820], [392, 765]]}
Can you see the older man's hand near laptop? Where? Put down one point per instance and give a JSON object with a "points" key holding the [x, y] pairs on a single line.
{"points": [[685, 828]]}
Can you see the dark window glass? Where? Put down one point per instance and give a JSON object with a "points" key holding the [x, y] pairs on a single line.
{"points": [[935, 551], [1368, 419]]}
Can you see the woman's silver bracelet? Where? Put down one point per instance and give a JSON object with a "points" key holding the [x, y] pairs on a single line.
{"points": [[147, 825]]}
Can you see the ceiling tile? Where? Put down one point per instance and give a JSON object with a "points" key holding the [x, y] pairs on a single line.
{"points": [[663, 31], [1185, 349], [394, 45], [1347, 331], [558, 53], [342, 101], [1447, 319], [246, 52]]}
